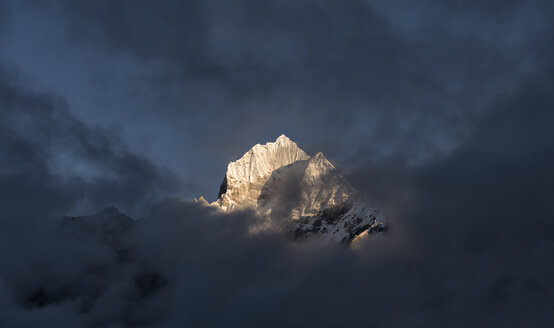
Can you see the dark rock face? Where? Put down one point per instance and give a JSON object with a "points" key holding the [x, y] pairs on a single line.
{"points": [[307, 226], [336, 222], [223, 187]]}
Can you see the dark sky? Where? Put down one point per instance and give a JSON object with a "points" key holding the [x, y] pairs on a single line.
{"points": [[191, 85], [443, 112]]}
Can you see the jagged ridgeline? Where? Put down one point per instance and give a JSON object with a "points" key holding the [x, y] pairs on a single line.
{"points": [[306, 195]]}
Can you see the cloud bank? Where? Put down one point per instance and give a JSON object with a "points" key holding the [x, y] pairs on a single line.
{"points": [[469, 243]]}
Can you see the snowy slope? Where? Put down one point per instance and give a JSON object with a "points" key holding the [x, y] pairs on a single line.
{"points": [[304, 188], [341, 224], [245, 177]]}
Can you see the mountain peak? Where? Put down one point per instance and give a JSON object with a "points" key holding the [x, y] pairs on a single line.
{"points": [[282, 183], [320, 163], [108, 210], [283, 139], [319, 156], [246, 176]]}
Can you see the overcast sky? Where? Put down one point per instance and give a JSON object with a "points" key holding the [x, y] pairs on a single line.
{"points": [[191, 85], [440, 111]]}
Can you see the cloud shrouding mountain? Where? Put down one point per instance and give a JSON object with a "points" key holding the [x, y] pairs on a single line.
{"points": [[471, 234], [471, 230]]}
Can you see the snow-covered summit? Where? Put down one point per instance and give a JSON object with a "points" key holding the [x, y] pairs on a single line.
{"points": [[307, 195], [245, 177]]}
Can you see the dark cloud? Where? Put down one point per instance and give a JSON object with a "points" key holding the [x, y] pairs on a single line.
{"points": [[469, 245], [55, 162], [52, 164], [409, 80], [442, 113]]}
